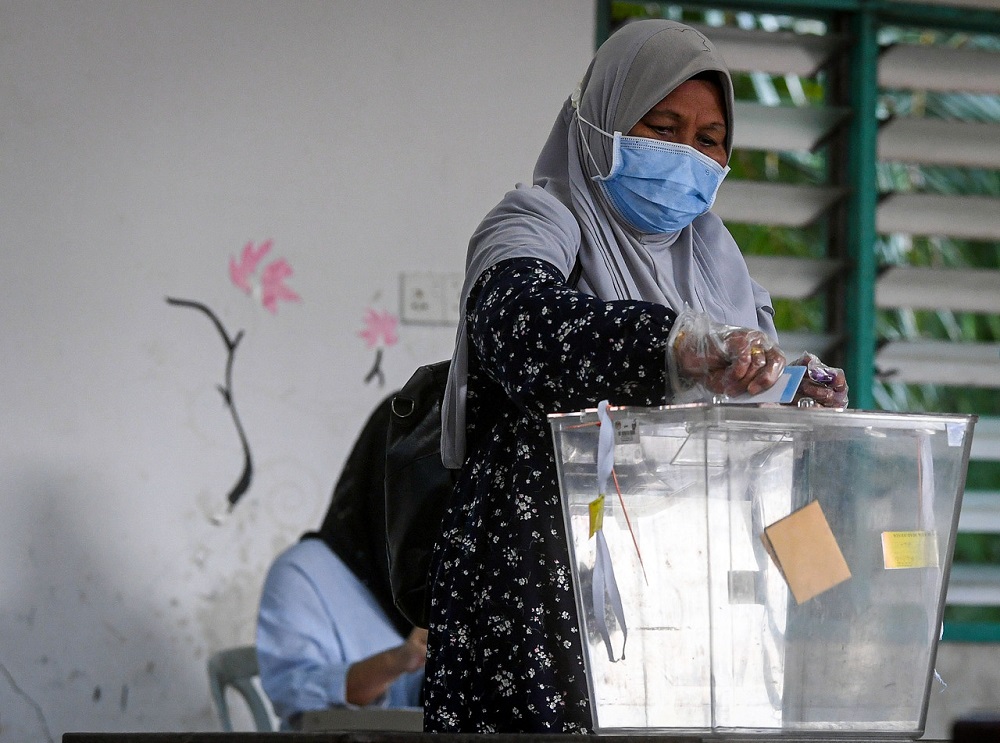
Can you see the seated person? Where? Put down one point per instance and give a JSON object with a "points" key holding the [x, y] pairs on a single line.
{"points": [[328, 633]]}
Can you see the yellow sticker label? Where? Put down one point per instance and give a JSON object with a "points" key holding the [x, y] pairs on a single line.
{"points": [[596, 515], [909, 549]]}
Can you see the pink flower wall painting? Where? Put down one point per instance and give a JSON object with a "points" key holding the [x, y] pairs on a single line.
{"points": [[267, 287], [379, 332]]}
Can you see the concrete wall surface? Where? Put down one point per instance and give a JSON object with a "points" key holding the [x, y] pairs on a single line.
{"points": [[143, 146]]}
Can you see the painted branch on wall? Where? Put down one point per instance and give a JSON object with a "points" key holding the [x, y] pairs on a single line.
{"points": [[226, 389], [268, 287]]}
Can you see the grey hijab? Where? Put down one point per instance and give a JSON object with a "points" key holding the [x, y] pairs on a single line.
{"points": [[563, 217]]}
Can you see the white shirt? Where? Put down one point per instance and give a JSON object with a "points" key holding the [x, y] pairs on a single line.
{"points": [[315, 620]]}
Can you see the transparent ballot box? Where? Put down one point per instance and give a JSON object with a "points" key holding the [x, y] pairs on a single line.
{"points": [[761, 570]]}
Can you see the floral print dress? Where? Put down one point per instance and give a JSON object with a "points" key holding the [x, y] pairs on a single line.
{"points": [[504, 652]]}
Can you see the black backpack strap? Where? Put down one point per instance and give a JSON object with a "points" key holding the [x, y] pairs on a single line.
{"points": [[418, 488]]}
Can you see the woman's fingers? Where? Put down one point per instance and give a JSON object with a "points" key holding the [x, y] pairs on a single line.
{"points": [[831, 395], [768, 368], [755, 363], [730, 361]]}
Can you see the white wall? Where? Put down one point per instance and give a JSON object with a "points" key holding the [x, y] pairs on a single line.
{"points": [[142, 144]]}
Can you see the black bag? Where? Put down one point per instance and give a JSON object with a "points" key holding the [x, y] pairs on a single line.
{"points": [[418, 487]]}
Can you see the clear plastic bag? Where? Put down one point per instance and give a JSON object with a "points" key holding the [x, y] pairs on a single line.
{"points": [[707, 360]]}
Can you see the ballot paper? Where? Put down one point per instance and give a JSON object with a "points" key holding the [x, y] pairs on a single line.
{"points": [[783, 390]]}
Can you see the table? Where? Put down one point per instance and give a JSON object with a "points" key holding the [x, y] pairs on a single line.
{"points": [[410, 737], [368, 718]]}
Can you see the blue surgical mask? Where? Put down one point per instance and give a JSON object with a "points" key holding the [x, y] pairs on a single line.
{"points": [[657, 186]]}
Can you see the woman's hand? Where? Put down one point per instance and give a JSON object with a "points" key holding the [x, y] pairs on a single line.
{"points": [[724, 359], [368, 679], [413, 652], [826, 385]]}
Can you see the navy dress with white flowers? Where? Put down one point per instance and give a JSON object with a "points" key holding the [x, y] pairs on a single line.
{"points": [[504, 653]]}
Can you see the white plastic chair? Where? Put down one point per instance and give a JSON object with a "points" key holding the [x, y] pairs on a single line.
{"points": [[237, 667]]}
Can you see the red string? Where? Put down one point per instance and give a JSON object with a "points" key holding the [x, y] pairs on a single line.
{"points": [[628, 523]]}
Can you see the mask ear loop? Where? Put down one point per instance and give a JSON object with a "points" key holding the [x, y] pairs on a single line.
{"points": [[603, 244], [575, 102]]}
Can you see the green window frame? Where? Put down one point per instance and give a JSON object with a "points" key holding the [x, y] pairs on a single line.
{"points": [[847, 306]]}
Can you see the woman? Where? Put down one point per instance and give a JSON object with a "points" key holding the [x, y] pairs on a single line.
{"points": [[625, 221], [328, 633]]}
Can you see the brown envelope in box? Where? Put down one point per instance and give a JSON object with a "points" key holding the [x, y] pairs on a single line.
{"points": [[806, 552]]}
